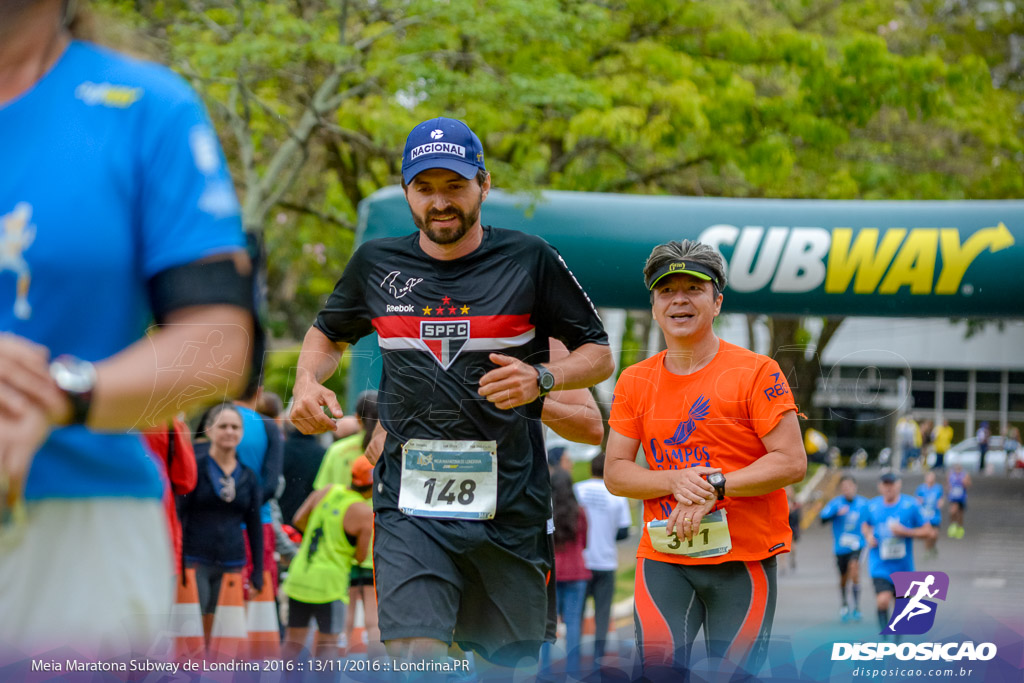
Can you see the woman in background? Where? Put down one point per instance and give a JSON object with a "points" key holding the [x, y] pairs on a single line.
{"points": [[571, 573], [227, 494]]}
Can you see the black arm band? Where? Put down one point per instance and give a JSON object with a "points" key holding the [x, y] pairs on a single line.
{"points": [[200, 284]]}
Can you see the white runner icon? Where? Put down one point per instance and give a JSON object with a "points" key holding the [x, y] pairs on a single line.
{"points": [[914, 605]]}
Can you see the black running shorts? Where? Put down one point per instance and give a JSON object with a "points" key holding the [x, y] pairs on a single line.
{"points": [[360, 576], [843, 561], [483, 585], [330, 616]]}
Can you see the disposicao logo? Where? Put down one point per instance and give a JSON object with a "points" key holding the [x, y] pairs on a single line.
{"points": [[914, 614]]}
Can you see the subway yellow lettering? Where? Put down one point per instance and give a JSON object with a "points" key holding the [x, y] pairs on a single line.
{"points": [[874, 261]]}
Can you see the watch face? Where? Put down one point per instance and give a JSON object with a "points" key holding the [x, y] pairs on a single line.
{"points": [[716, 479], [545, 380], [75, 378]]}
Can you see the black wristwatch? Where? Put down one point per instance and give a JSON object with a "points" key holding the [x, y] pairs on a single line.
{"points": [[717, 479], [77, 379], [545, 380]]}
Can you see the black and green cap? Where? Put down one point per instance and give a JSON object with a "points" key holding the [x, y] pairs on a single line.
{"points": [[697, 270]]}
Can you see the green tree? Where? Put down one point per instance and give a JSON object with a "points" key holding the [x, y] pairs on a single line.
{"points": [[853, 99]]}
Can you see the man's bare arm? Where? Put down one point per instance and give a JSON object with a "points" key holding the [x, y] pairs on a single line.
{"points": [[514, 383], [376, 445], [301, 515], [573, 415], [318, 360], [358, 522]]}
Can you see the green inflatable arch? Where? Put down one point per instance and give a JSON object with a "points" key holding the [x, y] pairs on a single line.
{"points": [[789, 257]]}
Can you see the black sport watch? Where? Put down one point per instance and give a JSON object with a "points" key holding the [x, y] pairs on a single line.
{"points": [[77, 379], [717, 479], [545, 380]]}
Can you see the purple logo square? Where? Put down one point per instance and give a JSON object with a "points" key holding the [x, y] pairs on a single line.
{"points": [[914, 612]]}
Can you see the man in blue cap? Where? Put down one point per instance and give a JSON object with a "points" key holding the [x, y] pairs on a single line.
{"points": [[893, 520], [463, 314]]}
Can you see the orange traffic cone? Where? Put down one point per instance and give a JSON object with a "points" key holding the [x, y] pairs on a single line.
{"points": [[355, 644], [261, 620], [358, 645], [187, 620], [229, 635]]}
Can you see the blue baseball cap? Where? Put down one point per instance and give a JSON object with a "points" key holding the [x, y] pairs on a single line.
{"points": [[555, 456], [442, 143]]}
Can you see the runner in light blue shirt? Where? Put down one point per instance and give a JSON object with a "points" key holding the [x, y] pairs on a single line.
{"points": [[931, 496], [846, 512], [959, 482], [893, 520]]}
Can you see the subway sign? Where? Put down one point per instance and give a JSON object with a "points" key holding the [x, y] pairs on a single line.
{"points": [[884, 258], [841, 260]]}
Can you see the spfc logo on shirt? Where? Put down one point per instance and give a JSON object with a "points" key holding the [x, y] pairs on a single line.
{"points": [[444, 339]]}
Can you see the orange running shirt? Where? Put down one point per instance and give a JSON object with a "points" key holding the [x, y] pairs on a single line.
{"points": [[714, 417]]}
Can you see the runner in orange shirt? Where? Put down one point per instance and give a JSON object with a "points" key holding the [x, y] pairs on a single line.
{"points": [[719, 432]]}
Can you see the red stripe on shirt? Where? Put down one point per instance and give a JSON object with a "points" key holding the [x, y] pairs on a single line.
{"points": [[481, 326]]}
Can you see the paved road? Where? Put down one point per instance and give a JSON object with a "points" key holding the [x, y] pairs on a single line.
{"points": [[986, 572], [985, 568]]}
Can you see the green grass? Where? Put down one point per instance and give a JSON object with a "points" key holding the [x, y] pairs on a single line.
{"points": [[624, 583], [580, 470]]}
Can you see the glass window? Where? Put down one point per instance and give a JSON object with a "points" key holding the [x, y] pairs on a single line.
{"points": [[987, 401], [923, 374], [856, 428], [956, 375], [891, 373], [954, 400], [923, 398], [993, 376], [853, 371], [1017, 402], [868, 381]]}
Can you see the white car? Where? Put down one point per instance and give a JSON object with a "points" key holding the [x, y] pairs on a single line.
{"points": [[966, 453]]}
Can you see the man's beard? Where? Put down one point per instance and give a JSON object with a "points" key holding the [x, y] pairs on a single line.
{"points": [[447, 235]]}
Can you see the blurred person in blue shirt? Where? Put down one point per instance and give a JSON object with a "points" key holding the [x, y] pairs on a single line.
{"points": [[893, 521], [116, 211], [846, 512], [931, 496]]}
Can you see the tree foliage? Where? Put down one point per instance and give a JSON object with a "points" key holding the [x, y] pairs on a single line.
{"points": [[852, 99]]}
